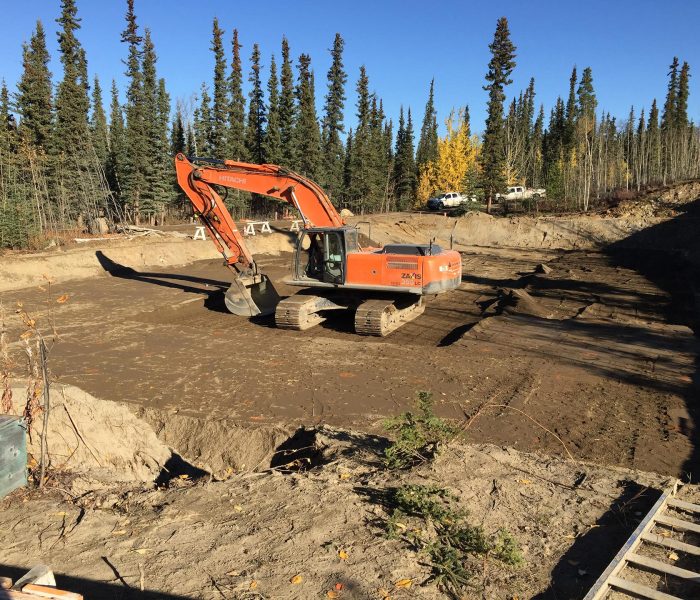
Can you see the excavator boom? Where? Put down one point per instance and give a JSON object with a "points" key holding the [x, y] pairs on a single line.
{"points": [[251, 292]]}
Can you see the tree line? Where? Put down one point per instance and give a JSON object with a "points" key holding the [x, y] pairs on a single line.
{"points": [[66, 163]]}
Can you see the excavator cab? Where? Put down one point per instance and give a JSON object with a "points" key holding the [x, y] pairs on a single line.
{"points": [[321, 253]]}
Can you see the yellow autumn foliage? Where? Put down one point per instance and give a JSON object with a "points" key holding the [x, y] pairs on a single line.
{"points": [[457, 157]]}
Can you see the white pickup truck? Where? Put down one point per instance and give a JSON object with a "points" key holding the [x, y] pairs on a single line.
{"points": [[518, 192], [448, 200]]}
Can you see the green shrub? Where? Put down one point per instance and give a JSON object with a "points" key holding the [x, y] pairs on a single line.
{"points": [[418, 436]]}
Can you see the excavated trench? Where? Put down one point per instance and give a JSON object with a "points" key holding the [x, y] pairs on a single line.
{"points": [[103, 442]]}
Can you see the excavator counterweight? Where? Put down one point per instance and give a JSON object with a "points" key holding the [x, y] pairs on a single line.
{"points": [[385, 287]]}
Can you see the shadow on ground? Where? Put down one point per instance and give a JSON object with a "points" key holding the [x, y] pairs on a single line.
{"points": [[582, 564], [668, 254], [212, 289]]}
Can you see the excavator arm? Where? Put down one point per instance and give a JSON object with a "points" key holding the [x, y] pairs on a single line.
{"points": [[251, 292]]}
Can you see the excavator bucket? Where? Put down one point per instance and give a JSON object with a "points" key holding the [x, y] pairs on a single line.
{"points": [[252, 296]]}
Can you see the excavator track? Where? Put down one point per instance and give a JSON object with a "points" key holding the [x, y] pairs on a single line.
{"points": [[298, 313], [380, 317]]}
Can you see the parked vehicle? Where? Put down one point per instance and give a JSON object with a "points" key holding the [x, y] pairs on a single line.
{"points": [[519, 192], [448, 200]]}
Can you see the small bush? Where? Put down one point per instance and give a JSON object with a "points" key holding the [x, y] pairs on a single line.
{"points": [[418, 436], [424, 517]]}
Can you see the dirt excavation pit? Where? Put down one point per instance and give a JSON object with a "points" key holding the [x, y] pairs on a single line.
{"points": [[233, 518], [202, 455]]}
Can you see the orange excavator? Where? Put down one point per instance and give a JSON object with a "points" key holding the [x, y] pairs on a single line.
{"points": [[384, 286]]}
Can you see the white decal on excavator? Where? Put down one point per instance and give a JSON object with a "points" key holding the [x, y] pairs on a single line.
{"points": [[232, 179]]}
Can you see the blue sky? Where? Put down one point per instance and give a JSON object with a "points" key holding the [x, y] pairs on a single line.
{"points": [[629, 45]]}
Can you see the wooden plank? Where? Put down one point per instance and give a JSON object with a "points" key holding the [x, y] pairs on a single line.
{"points": [[679, 524], [661, 567], [45, 591], [667, 542], [689, 506], [640, 590], [15, 595], [601, 586]]}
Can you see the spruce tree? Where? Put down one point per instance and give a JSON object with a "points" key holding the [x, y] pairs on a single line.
{"points": [[409, 156], [586, 130], [257, 115], [14, 228], [117, 144], [668, 117], [379, 156], [72, 102], [273, 140], [98, 125], [586, 100], [235, 142], [682, 97], [287, 110], [177, 133], [152, 175], [670, 124], [220, 109], [361, 168], [535, 176], [202, 124], [132, 177], [498, 76], [428, 141], [34, 101], [570, 123], [333, 152], [347, 169], [190, 143], [306, 132], [166, 179], [654, 144], [404, 164], [553, 150], [8, 127]]}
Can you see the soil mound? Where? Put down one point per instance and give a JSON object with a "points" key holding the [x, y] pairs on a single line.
{"points": [[96, 438]]}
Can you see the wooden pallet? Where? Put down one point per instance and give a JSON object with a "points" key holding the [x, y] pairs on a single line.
{"points": [[630, 553]]}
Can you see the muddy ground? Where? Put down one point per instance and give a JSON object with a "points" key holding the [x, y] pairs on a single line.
{"points": [[581, 349], [591, 350]]}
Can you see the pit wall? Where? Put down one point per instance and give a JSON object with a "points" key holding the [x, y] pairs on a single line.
{"points": [[480, 229], [114, 442], [474, 229], [26, 270]]}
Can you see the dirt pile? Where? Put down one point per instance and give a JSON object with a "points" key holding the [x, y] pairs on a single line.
{"points": [[578, 231], [480, 229], [101, 440], [109, 442]]}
